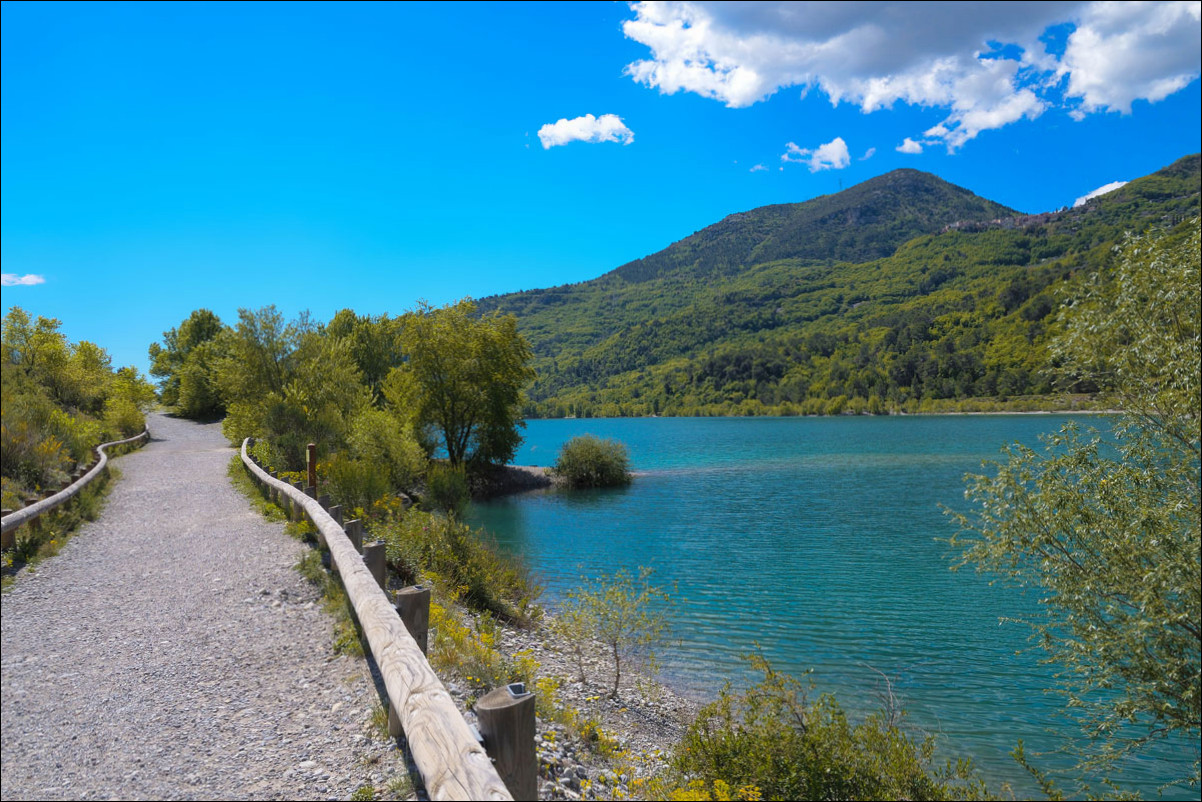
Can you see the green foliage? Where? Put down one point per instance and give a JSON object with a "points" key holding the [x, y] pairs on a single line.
{"points": [[624, 612], [381, 439], [354, 482], [418, 543], [183, 365], [447, 489], [465, 375], [940, 317], [588, 461], [775, 739], [1108, 526], [60, 400]]}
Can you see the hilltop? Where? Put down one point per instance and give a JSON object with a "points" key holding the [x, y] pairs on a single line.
{"points": [[898, 293]]}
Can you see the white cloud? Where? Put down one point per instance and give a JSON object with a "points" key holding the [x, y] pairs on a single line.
{"points": [[874, 54], [1102, 190], [868, 154], [1121, 52], [909, 146], [831, 156], [13, 280], [758, 168], [606, 128]]}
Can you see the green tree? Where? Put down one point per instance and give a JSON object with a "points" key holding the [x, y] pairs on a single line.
{"points": [[464, 376], [170, 362], [1107, 526]]}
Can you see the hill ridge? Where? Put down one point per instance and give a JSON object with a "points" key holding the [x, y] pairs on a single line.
{"points": [[775, 310]]}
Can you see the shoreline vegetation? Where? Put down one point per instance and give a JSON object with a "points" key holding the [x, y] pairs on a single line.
{"points": [[1040, 404]]}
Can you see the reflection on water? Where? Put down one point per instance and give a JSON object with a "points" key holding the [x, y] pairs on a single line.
{"points": [[818, 542]]}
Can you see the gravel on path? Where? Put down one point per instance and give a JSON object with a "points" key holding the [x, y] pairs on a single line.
{"points": [[171, 651]]}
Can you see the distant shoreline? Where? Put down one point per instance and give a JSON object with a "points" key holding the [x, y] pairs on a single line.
{"points": [[849, 415]]}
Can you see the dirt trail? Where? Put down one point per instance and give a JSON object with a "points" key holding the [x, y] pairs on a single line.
{"points": [[171, 651]]}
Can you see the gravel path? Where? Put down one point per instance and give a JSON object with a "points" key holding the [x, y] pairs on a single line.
{"points": [[171, 651]]}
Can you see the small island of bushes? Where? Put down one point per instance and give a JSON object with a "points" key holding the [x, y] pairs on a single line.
{"points": [[589, 461]]}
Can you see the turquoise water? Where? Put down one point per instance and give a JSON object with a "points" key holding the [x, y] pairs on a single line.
{"points": [[815, 540]]}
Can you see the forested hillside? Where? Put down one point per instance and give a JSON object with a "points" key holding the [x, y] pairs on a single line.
{"points": [[902, 293]]}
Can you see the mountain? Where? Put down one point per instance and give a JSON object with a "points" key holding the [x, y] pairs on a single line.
{"points": [[903, 292], [868, 221]]}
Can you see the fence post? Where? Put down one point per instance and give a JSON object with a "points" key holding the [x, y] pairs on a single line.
{"points": [[336, 513], [413, 606], [9, 539], [354, 532], [373, 557], [311, 453], [324, 501], [506, 717], [297, 511]]}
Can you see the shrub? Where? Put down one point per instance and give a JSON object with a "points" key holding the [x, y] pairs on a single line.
{"points": [[355, 482], [418, 543], [447, 488], [774, 739], [123, 418], [623, 612], [379, 437], [588, 461]]}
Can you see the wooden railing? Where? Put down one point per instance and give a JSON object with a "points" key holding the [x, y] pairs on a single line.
{"points": [[25, 515], [452, 761]]}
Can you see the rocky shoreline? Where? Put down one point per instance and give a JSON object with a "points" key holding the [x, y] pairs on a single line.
{"points": [[644, 724], [508, 479]]}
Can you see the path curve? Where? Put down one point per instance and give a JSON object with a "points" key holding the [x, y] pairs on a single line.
{"points": [[171, 651]]}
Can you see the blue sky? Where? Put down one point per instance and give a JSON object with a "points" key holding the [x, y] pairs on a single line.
{"points": [[161, 158]]}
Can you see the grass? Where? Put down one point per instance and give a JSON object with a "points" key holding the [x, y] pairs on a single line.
{"points": [[241, 481]]}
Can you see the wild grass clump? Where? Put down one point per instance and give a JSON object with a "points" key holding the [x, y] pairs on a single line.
{"points": [[418, 543], [588, 461]]}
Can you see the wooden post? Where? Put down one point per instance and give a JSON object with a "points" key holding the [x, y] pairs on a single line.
{"points": [[373, 557], [354, 533], [324, 501], [413, 606], [9, 539], [336, 513], [298, 514], [506, 717], [312, 460]]}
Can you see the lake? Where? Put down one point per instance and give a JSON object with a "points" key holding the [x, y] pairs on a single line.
{"points": [[817, 541]]}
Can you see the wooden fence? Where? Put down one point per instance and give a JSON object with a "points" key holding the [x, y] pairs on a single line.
{"points": [[452, 761], [29, 514]]}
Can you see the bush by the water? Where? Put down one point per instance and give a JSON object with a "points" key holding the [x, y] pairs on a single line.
{"points": [[447, 488], [778, 744], [419, 544], [588, 461]]}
